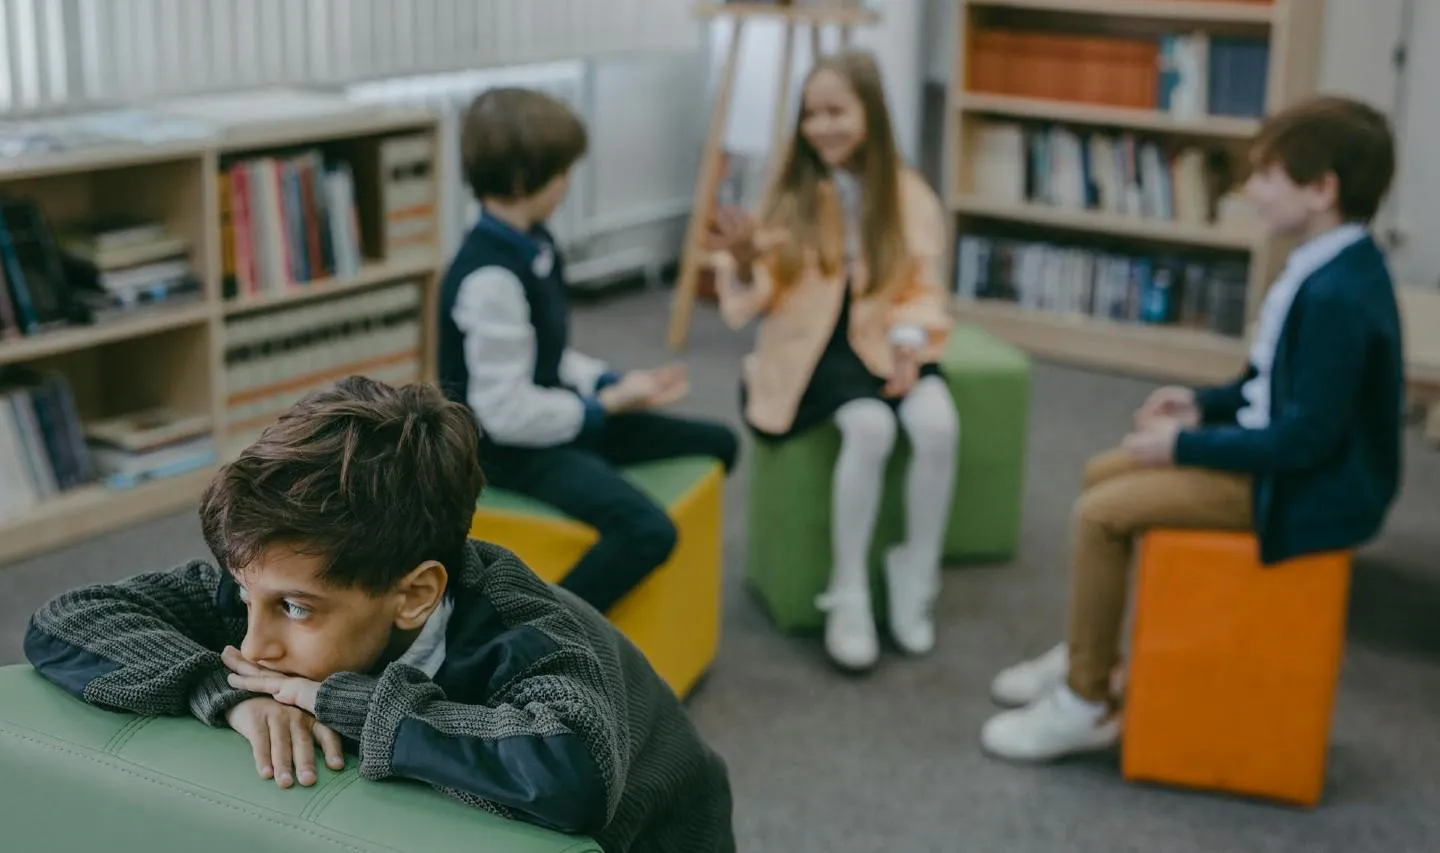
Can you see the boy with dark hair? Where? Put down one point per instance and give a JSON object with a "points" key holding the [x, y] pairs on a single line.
{"points": [[1304, 448], [349, 608], [557, 425]]}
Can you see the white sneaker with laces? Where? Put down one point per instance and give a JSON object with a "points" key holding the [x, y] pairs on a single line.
{"points": [[1025, 682], [1057, 724], [850, 637], [911, 588]]}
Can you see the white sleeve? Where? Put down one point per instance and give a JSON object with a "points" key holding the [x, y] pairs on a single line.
{"points": [[580, 371], [493, 315]]}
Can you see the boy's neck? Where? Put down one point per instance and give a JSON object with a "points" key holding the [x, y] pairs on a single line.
{"points": [[516, 214], [1320, 223]]}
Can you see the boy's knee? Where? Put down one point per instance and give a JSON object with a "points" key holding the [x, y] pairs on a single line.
{"points": [[723, 445], [650, 538]]}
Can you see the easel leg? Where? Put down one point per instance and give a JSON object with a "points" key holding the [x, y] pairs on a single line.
{"points": [[847, 35], [703, 205], [781, 133], [817, 49], [1432, 424]]}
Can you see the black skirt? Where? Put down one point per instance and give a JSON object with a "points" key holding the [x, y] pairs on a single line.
{"points": [[840, 377]]}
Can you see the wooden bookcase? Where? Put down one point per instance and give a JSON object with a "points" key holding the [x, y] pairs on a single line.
{"points": [[184, 355], [1092, 68]]}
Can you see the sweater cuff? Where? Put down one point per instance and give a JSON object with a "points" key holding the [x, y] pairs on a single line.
{"points": [[608, 378], [343, 703], [1189, 450], [213, 697]]}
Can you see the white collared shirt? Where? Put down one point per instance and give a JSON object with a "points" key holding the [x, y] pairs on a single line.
{"points": [[1303, 261], [427, 653]]}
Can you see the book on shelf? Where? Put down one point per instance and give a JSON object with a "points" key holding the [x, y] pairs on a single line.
{"points": [[1187, 74], [42, 443], [85, 271], [407, 198], [118, 265], [287, 221], [1151, 289], [1080, 169], [148, 445], [274, 359]]}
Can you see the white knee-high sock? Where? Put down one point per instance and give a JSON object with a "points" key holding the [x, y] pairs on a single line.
{"points": [[867, 435], [931, 423]]}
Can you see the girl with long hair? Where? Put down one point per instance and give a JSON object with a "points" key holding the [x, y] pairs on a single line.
{"points": [[843, 269]]}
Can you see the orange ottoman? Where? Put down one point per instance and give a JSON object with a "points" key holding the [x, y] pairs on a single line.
{"points": [[1233, 666]]}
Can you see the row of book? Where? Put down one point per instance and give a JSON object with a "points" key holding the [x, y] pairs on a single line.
{"points": [[1190, 74], [1156, 289], [1116, 173], [273, 360], [288, 221], [91, 271], [47, 450]]}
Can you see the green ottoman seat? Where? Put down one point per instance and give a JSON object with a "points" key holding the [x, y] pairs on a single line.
{"points": [[78, 778], [788, 563]]}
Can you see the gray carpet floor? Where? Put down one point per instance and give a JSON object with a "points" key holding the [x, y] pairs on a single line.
{"points": [[822, 762]]}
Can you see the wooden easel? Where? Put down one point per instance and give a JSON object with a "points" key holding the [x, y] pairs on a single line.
{"points": [[814, 14]]}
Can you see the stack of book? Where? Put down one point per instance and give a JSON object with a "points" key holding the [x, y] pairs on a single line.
{"points": [[35, 295], [119, 265], [149, 445]]}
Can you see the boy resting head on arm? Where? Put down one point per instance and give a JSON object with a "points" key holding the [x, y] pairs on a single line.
{"points": [[350, 609]]}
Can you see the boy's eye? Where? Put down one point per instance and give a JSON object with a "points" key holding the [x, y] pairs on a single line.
{"points": [[294, 611]]}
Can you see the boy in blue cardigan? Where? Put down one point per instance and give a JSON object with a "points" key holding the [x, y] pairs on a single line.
{"points": [[1304, 448], [557, 425]]}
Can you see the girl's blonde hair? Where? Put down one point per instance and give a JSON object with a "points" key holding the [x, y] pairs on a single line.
{"points": [[802, 200]]}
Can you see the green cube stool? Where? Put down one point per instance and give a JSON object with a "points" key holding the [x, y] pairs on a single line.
{"points": [[79, 778], [789, 558]]}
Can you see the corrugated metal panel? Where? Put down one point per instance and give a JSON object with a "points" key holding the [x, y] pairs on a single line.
{"points": [[57, 54]]}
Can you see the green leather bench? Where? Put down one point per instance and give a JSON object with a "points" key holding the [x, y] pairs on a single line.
{"points": [[789, 560], [78, 778]]}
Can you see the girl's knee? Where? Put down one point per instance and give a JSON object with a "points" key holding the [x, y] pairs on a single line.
{"points": [[932, 424], [867, 424]]}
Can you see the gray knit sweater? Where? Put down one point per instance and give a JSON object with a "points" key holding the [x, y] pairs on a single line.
{"points": [[542, 710]]}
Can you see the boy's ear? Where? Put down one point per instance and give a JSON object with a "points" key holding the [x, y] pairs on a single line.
{"points": [[1327, 190], [420, 593]]}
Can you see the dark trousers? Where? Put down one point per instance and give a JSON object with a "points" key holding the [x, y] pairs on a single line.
{"points": [[584, 481]]}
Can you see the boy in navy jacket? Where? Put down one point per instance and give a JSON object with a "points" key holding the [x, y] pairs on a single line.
{"points": [[1304, 448], [347, 609], [556, 424]]}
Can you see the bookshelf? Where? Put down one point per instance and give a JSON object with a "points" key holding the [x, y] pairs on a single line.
{"points": [[1094, 153], [179, 295]]}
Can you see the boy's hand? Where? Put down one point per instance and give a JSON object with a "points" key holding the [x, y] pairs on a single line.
{"points": [[286, 689], [282, 739], [905, 374], [1155, 444], [645, 389], [1173, 402]]}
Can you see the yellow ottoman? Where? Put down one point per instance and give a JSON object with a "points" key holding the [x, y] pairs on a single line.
{"points": [[673, 616]]}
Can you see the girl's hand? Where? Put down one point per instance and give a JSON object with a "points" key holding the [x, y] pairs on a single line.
{"points": [[733, 230], [905, 374]]}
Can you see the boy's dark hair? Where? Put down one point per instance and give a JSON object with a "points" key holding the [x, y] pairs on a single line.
{"points": [[373, 479], [1333, 134], [515, 141]]}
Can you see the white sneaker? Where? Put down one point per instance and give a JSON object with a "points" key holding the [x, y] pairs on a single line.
{"points": [[1025, 682], [1055, 725], [850, 637], [911, 588]]}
